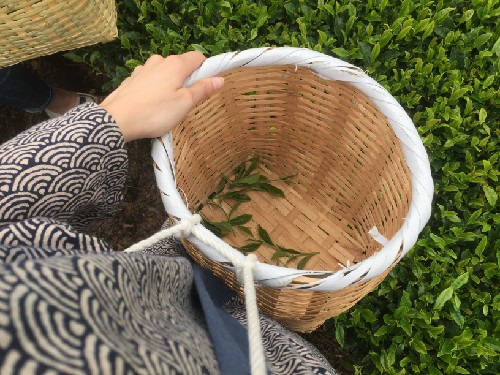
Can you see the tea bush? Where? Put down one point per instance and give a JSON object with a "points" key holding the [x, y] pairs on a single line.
{"points": [[438, 310]]}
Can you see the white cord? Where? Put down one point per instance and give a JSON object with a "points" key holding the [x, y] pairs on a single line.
{"points": [[190, 226]]}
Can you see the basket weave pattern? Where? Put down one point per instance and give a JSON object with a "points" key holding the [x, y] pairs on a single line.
{"points": [[33, 28], [352, 175]]}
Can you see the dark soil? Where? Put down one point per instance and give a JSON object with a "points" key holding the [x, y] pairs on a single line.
{"points": [[143, 212]]}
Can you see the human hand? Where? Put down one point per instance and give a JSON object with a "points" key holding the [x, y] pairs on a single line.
{"points": [[152, 101]]}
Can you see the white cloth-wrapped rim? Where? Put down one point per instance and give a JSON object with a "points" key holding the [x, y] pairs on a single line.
{"points": [[328, 68]]}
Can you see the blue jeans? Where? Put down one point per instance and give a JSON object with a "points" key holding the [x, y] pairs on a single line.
{"points": [[21, 88]]}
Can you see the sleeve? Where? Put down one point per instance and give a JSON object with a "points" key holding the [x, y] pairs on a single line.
{"points": [[71, 169]]}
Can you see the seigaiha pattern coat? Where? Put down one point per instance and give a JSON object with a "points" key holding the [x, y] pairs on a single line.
{"points": [[69, 304]]}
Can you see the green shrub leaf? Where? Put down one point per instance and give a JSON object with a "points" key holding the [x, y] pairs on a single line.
{"points": [[444, 296], [459, 281], [482, 115], [491, 195], [339, 335]]}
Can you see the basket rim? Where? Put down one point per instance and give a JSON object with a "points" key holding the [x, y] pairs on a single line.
{"points": [[415, 155]]}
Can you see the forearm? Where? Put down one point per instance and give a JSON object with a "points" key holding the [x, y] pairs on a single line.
{"points": [[71, 168]]}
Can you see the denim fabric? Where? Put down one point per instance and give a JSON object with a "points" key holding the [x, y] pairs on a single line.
{"points": [[21, 88], [229, 337]]}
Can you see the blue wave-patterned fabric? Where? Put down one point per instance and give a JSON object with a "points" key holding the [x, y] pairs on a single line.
{"points": [[69, 304], [71, 169]]}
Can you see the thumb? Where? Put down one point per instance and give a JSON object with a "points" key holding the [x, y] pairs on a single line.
{"points": [[204, 89]]}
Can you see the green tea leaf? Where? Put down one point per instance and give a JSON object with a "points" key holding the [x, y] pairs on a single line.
{"points": [[479, 41], [254, 163], [493, 343], [375, 51], [270, 189], [419, 346], [222, 185], [496, 47], [381, 331], [240, 169], [220, 229], [279, 254], [444, 296], [482, 245], [446, 347], [406, 326], [234, 207], [241, 220], [199, 47], [491, 195], [459, 281], [404, 32], [482, 115], [434, 371], [235, 195], [250, 247], [264, 236], [247, 180], [458, 318], [460, 370], [340, 335], [303, 262], [245, 230], [288, 251], [286, 178]]}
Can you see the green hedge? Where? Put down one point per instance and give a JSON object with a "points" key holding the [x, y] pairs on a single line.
{"points": [[438, 311]]}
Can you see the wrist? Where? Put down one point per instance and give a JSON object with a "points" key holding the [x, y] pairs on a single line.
{"points": [[121, 120]]}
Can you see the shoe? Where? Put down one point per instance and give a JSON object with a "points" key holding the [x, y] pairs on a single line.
{"points": [[82, 99]]}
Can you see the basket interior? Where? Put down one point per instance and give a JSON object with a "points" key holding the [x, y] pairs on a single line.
{"points": [[351, 174]]}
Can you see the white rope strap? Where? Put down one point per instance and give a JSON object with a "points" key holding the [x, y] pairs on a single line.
{"points": [[244, 268]]}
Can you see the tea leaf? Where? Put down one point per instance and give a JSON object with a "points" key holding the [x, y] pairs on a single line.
{"points": [[235, 195], [240, 220], [265, 236], [245, 230], [444, 296], [254, 163], [288, 251], [459, 281], [303, 262], [491, 195], [250, 247], [247, 180], [270, 189], [222, 185]]}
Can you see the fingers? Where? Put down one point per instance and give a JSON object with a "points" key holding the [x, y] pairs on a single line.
{"points": [[203, 89], [192, 60], [184, 64], [136, 71], [154, 60]]}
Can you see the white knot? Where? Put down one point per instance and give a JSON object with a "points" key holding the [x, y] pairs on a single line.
{"points": [[250, 261], [245, 266], [186, 225]]}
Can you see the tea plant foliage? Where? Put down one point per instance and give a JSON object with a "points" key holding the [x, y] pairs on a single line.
{"points": [[438, 310]]}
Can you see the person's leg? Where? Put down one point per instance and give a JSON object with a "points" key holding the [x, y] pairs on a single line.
{"points": [[21, 88]]}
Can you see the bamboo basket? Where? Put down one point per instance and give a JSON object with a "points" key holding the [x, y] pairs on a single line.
{"points": [[363, 189], [33, 28]]}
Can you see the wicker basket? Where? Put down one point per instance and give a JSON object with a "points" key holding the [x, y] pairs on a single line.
{"points": [[33, 28], [363, 189]]}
